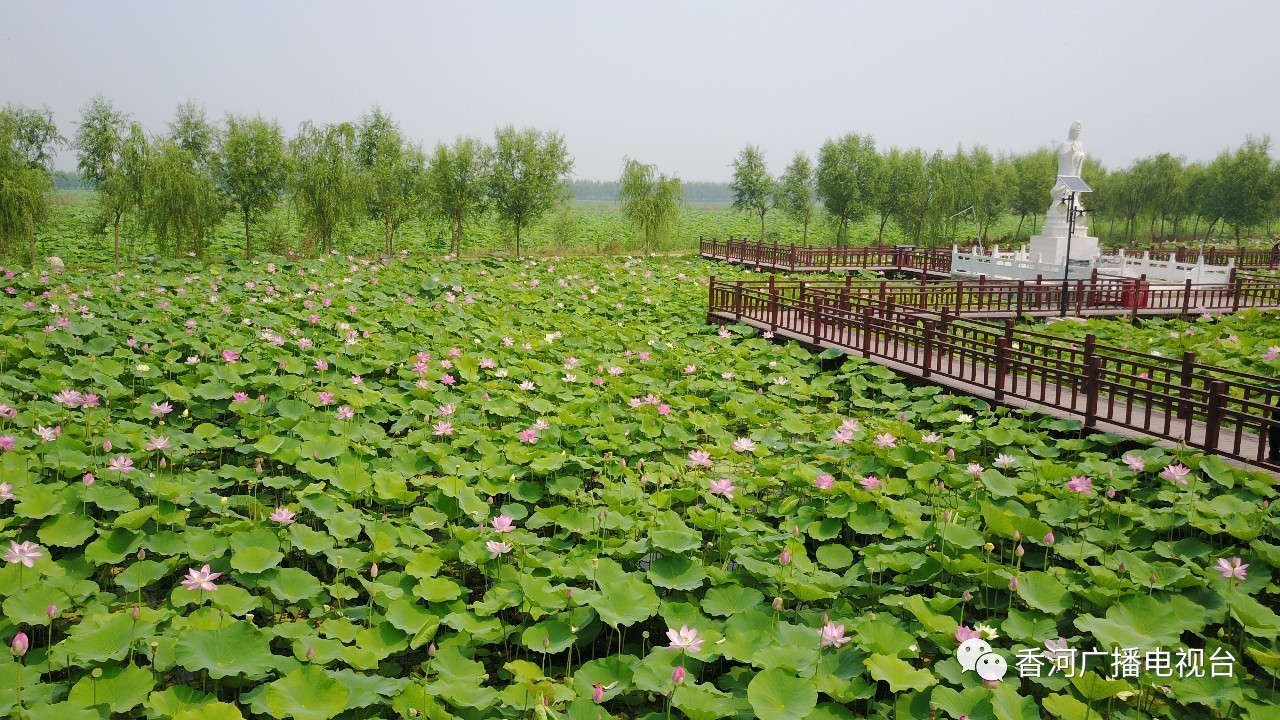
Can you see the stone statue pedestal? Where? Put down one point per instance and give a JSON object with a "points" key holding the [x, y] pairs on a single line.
{"points": [[1050, 246]]}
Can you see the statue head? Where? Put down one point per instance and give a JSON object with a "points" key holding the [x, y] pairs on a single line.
{"points": [[1074, 134]]}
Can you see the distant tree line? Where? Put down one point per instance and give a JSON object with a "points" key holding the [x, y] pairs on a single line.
{"points": [[180, 184], [610, 190], [928, 196]]}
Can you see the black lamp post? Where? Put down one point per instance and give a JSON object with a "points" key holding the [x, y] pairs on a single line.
{"points": [[1074, 186]]}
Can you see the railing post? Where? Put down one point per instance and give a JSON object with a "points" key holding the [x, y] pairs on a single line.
{"points": [[1022, 286], [1235, 291], [866, 332], [815, 318], [1002, 364], [1137, 298], [1213, 423], [1093, 371], [773, 306], [737, 301], [1184, 392], [1079, 298], [793, 257], [1186, 299], [928, 349]]}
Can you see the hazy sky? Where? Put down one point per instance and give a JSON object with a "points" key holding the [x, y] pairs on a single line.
{"points": [[684, 85]]}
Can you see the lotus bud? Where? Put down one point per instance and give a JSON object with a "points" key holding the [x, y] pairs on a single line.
{"points": [[677, 676], [951, 454], [222, 501], [946, 515], [96, 673], [106, 446], [1048, 539], [88, 479], [373, 570], [825, 619], [1122, 568], [136, 612], [568, 593], [164, 463], [19, 645], [777, 604], [1019, 551], [1153, 579], [597, 693], [1111, 493], [1017, 536], [311, 654], [1013, 583], [795, 531], [785, 557], [52, 611], [967, 596], [142, 554], [431, 650]]}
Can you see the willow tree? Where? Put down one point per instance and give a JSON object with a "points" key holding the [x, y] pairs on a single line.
{"points": [[181, 202], [797, 190], [752, 186], [395, 173], [110, 157], [28, 139], [251, 168], [529, 176], [848, 177], [327, 187], [651, 201], [458, 185]]}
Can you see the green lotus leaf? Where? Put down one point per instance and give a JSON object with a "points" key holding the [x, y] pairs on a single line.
{"points": [[834, 556], [548, 636], [308, 693], [1043, 592], [730, 599], [30, 606], [101, 637], [703, 701], [776, 694], [237, 648], [677, 572], [291, 585], [66, 530], [255, 559], [1137, 621], [899, 674], [119, 688]]}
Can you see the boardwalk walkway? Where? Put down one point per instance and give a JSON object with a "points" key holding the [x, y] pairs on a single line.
{"points": [[1176, 400]]}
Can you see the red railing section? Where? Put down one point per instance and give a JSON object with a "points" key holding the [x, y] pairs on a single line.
{"points": [[1179, 399]]}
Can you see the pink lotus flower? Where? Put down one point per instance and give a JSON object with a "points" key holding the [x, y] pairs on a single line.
{"points": [[529, 436], [723, 486], [832, 635], [886, 440], [1081, 484], [842, 436], [121, 464], [6, 492], [230, 356], [239, 398], [1176, 473], [699, 458], [1004, 461], [870, 482], [964, 632], [1232, 568], [930, 438], [784, 557], [283, 515], [47, 434], [597, 693], [7, 412], [345, 413], [503, 524], [19, 645], [444, 427], [974, 469], [357, 380], [90, 400], [1134, 461], [158, 443], [7, 442], [447, 380], [88, 480], [690, 369], [28, 552], [527, 385], [497, 549], [70, 398], [161, 409], [824, 482], [201, 579], [686, 639], [1048, 539], [744, 445], [324, 398], [322, 365]]}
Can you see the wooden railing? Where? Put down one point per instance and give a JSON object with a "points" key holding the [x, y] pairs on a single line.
{"points": [[802, 257], [1097, 296], [1179, 399], [937, 260]]}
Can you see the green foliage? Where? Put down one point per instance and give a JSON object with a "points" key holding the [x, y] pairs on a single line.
{"points": [[651, 202], [528, 176], [250, 169], [325, 184], [848, 180], [797, 192], [28, 139], [752, 186], [395, 172], [458, 183]]}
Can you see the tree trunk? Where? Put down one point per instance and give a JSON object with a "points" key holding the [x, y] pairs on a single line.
{"points": [[1021, 217], [386, 224], [117, 237], [761, 226], [248, 241], [517, 242], [880, 233], [1195, 228], [31, 233]]}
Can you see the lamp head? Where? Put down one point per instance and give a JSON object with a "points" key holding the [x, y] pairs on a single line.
{"points": [[1062, 206]]}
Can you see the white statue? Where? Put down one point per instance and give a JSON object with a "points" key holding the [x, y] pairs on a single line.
{"points": [[1051, 243], [1070, 163]]}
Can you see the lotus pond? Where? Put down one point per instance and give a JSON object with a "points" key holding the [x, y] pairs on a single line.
{"points": [[548, 489]]}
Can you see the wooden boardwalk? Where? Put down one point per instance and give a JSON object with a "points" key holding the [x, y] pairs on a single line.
{"points": [[1174, 401]]}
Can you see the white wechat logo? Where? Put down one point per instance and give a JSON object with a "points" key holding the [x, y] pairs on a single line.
{"points": [[976, 655]]}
